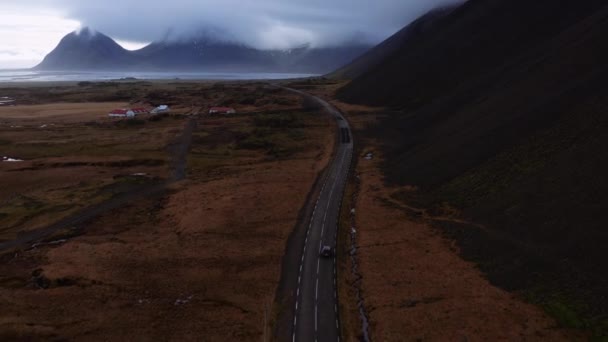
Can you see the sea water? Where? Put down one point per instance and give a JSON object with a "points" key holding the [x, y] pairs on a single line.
{"points": [[27, 75]]}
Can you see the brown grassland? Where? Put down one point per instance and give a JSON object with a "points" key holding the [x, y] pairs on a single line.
{"points": [[199, 259]]}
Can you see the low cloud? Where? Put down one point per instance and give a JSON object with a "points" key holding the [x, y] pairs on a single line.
{"points": [[29, 33], [259, 23]]}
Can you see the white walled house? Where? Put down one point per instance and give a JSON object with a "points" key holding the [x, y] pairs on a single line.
{"points": [[161, 109], [122, 113]]}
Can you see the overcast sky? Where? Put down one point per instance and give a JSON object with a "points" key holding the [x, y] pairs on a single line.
{"points": [[29, 29]]}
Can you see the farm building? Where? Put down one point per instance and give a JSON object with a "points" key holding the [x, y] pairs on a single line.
{"points": [[161, 109], [122, 113], [222, 110], [129, 113], [139, 111]]}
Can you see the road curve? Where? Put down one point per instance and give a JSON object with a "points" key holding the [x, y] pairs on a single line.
{"points": [[316, 302]]}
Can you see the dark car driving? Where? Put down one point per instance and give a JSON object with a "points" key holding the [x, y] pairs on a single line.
{"points": [[327, 251]]}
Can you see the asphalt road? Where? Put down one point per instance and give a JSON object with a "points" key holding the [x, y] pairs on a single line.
{"points": [[316, 303]]}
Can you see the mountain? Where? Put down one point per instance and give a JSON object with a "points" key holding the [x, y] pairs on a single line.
{"points": [[378, 54], [196, 54], [86, 50], [90, 50], [328, 58], [498, 109]]}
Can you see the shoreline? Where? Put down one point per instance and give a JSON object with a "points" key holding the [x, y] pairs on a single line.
{"points": [[69, 78]]}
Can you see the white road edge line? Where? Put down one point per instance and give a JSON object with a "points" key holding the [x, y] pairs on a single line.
{"points": [[338, 169]]}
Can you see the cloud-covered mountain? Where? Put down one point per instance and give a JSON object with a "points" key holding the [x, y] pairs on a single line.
{"points": [[262, 24], [90, 50], [86, 49], [393, 44]]}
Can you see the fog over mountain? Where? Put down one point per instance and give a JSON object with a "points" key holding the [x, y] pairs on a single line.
{"points": [[263, 24], [88, 49]]}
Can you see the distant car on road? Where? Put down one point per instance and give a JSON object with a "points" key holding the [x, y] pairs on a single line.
{"points": [[327, 251]]}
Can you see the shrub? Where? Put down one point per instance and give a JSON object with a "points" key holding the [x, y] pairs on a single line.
{"points": [[277, 120]]}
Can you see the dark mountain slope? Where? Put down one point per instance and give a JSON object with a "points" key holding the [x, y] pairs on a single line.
{"points": [[195, 54], [500, 111], [86, 50], [378, 54], [323, 58], [480, 36]]}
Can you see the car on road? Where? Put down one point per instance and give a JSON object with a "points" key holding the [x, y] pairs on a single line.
{"points": [[327, 251]]}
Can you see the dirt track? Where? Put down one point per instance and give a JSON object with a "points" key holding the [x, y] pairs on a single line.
{"points": [[178, 153]]}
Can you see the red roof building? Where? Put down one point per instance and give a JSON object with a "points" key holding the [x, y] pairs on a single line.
{"points": [[120, 111], [124, 112], [140, 111]]}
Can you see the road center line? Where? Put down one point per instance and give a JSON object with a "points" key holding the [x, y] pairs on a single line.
{"points": [[335, 174]]}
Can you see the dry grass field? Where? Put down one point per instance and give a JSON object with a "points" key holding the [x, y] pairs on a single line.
{"points": [[198, 259]]}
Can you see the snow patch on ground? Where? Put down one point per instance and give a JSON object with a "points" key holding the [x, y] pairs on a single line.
{"points": [[183, 301], [9, 159], [5, 100]]}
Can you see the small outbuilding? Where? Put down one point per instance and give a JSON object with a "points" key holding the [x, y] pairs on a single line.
{"points": [[161, 109], [222, 110]]}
